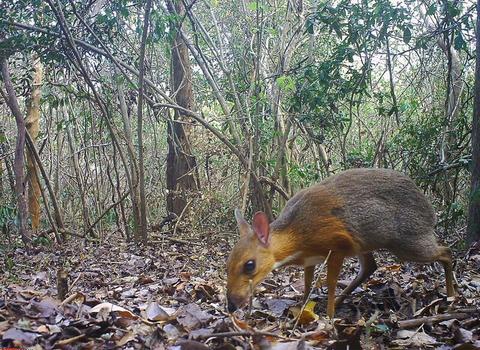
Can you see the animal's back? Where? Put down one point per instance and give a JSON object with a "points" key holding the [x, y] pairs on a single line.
{"points": [[383, 208]]}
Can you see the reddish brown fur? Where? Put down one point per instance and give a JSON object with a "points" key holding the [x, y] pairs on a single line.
{"points": [[325, 232]]}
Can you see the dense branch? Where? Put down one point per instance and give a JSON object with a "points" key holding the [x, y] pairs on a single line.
{"points": [[170, 102], [12, 102]]}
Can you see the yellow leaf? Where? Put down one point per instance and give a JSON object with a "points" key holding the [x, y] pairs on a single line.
{"points": [[307, 316], [395, 267]]}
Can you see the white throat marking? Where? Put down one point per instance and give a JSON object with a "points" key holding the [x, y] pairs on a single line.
{"points": [[286, 260]]}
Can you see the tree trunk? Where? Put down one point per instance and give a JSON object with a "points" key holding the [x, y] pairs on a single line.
{"points": [[19, 162], [473, 229], [142, 232], [448, 140], [132, 180], [33, 125], [58, 214], [118, 189], [392, 84], [58, 155], [181, 164], [5, 158]]}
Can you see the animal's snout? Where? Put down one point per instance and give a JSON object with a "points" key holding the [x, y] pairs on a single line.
{"points": [[234, 302], [231, 307]]}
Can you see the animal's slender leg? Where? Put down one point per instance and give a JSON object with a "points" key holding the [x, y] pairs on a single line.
{"points": [[367, 268]]}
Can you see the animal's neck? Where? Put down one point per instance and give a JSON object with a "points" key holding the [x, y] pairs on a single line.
{"points": [[285, 248]]}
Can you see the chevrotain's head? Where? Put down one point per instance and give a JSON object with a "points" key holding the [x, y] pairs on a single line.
{"points": [[251, 259]]}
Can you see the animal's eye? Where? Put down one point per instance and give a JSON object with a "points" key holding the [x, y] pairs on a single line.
{"points": [[249, 267]]}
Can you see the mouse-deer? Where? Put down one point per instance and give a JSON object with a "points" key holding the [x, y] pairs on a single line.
{"points": [[350, 214]]}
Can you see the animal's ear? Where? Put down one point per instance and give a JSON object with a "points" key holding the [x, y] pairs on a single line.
{"points": [[241, 222], [261, 227]]}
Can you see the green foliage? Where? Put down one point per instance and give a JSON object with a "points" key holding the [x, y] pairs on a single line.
{"points": [[360, 158], [415, 143], [8, 215], [33, 12], [9, 262], [456, 211], [343, 75], [475, 196], [42, 241], [256, 5], [286, 83], [407, 35], [459, 43], [111, 217], [161, 24], [302, 174]]}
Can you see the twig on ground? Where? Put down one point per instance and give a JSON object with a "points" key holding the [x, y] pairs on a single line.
{"points": [[72, 298], [250, 300], [69, 340], [431, 319], [181, 216], [75, 281], [176, 240], [240, 334]]}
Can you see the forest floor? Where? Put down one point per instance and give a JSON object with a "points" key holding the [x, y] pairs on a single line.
{"points": [[171, 295]]}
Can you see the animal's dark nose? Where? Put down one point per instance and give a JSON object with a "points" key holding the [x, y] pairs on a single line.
{"points": [[231, 305]]}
